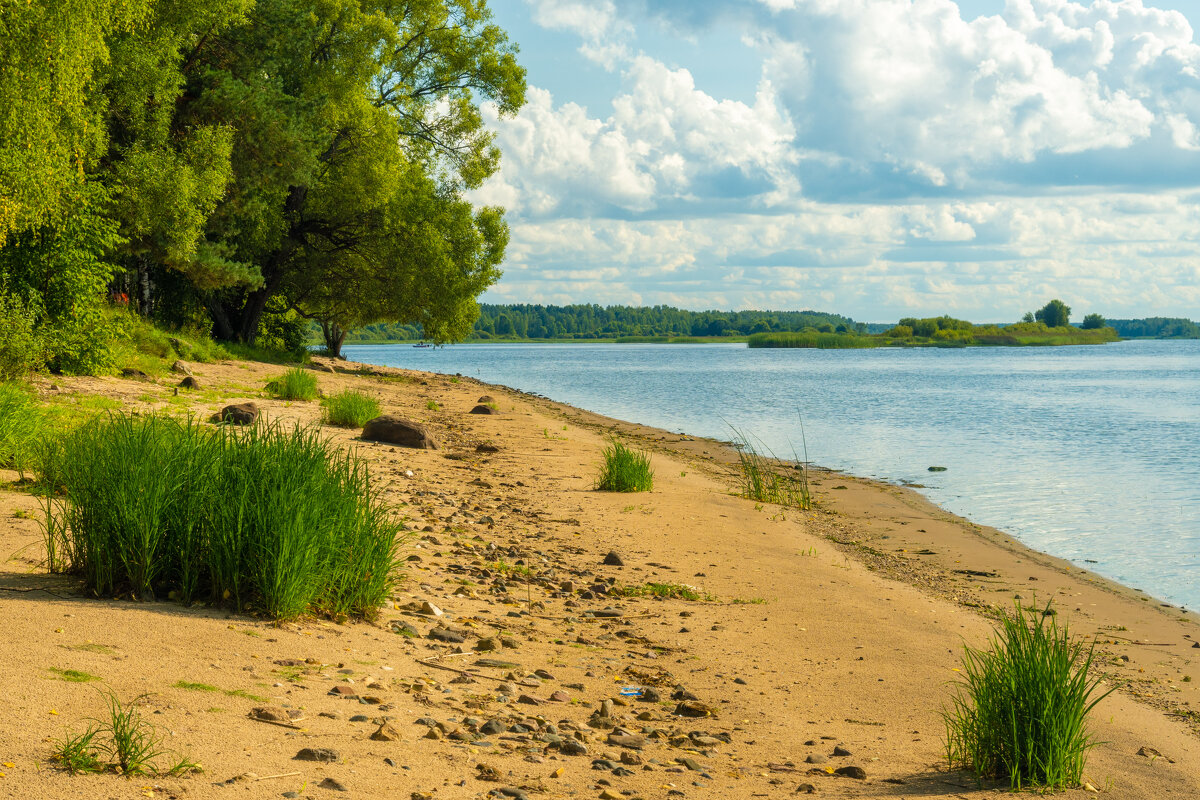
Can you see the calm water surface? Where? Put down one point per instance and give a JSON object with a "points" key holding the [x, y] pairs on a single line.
{"points": [[1089, 453]]}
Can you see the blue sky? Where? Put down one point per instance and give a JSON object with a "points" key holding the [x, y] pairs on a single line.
{"points": [[876, 158]]}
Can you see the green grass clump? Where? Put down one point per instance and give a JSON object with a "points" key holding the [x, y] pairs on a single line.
{"points": [[124, 743], [1021, 709], [350, 409], [73, 675], [269, 520], [23, 427], [625, 469], [765, 479], [679, 591], [295, 384]]}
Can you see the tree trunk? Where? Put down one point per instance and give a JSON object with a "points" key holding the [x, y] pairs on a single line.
{"points": [[335, 336]]}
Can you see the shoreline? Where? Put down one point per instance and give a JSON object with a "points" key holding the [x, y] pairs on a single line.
{"points": [[838, 626]]}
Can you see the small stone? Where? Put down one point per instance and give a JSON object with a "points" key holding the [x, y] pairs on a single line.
{"points": [[434, 733], [486, 448], [342, 690], [610, 795], [486, 645], [430, 610], [482, 409], [693, 708], [181, 367], [237, 414], [560, 697], [492, 727], [806, 788], [360, 718], [333, 784], [386, 733], [135, 375], [631, 740], [613, 560], [528, 700], [447, 635], [858, 773], [573, 747], [815, 758], [631, 758], [326, 754], [270, 714], [190, 383], [391, 429], [841, 751]]}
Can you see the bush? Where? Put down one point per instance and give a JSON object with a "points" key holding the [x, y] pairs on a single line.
{"points": [[295, 384], [22, 347], [1021, 710], [625, 470], [269, 520], [350, 409]]}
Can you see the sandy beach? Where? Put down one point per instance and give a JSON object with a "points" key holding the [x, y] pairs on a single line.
{"points": [[838, 628]]}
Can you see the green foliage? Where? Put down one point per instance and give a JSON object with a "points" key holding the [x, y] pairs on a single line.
{"points": [[78, 753], [820, 341], [679, 591], [1156, 328], [625, 469], [1092, 321], [762, 477], [295, 384], [1055, 314], [350, 409], [23, 427], [269, 520], [1020, 713], [22, 343]]}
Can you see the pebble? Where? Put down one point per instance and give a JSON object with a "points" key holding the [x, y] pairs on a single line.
{"points": [[841, 751], [386, 733], [333, 784], [852, 772], [815, 758], [326, 754], [613, 559]]}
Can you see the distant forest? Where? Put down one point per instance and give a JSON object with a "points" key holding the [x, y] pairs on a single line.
{"points": [[1156, 328], [586, 321]]}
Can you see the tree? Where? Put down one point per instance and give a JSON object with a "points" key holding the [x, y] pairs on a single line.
{"points": [[1055, 314], [1029, 317], [357, 130], [1092, 321]]}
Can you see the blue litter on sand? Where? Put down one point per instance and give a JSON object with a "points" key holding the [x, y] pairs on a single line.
{"points": [[631, 691]]}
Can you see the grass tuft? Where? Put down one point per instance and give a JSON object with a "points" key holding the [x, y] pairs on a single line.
{"points": [[678, 591], [295, 384], [350, 409], [765, 479], [625, 469], [22, 427], [1021, 710], [269, 520], [73, 675]]}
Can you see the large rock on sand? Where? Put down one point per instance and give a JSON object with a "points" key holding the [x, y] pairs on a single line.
{"points": [[399, 431], [237, 414]]}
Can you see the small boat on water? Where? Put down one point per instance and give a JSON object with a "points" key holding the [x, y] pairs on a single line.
{"points": [[421, 344]]}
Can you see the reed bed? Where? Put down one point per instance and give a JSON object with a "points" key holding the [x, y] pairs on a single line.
{"points": [[1021, 710], [349, 409], [625, 469], [22, 428], [819, 341], [269, 520]]}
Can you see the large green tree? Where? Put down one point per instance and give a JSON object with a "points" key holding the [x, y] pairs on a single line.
{"points": [[357, 128], [1055, 314]]}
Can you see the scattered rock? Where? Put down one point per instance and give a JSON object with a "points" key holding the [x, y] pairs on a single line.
{"points": [[487, 398], [841, 751], [447, 635], [333, 784], [181, 367], [806, 788], [386, 733], [190, 383], [815, 758], [937, 469], [486, 448], [492, 727], [528, 700], [613, 559], [486, 645], [237, 414], [693, 708], [325, 754], [270, 714], [1150, 752], [342, 690], [858, 773], [393, 429], [135, 375], [430, 610], [631, 740], [482, 409], [573, 747]]}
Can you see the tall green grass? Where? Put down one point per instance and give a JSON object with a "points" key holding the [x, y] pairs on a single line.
{"points": [[350, 409], [22, 428], [270, 520], [1020, 713], [820, 341], [295, 384], [625, 469], [764, 478]]}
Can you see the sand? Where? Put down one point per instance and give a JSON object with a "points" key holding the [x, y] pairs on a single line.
{"points": [[840, 626]]}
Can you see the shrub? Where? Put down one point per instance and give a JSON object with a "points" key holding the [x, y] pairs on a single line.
{"points": [[1021, 710], [625, 470], [22, 347], [295, 384], [269, 520], [350, 409]]}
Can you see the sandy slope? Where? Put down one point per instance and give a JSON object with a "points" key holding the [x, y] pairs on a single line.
{"points": [[835, 627]]}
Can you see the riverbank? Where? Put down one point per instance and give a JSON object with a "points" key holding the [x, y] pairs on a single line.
{"points": [[840, 626]]}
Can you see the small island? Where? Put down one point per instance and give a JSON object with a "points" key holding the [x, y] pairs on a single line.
{"points": [[1048, 326]]}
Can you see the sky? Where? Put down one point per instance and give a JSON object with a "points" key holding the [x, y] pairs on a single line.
{"points": [[874, 158]]}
